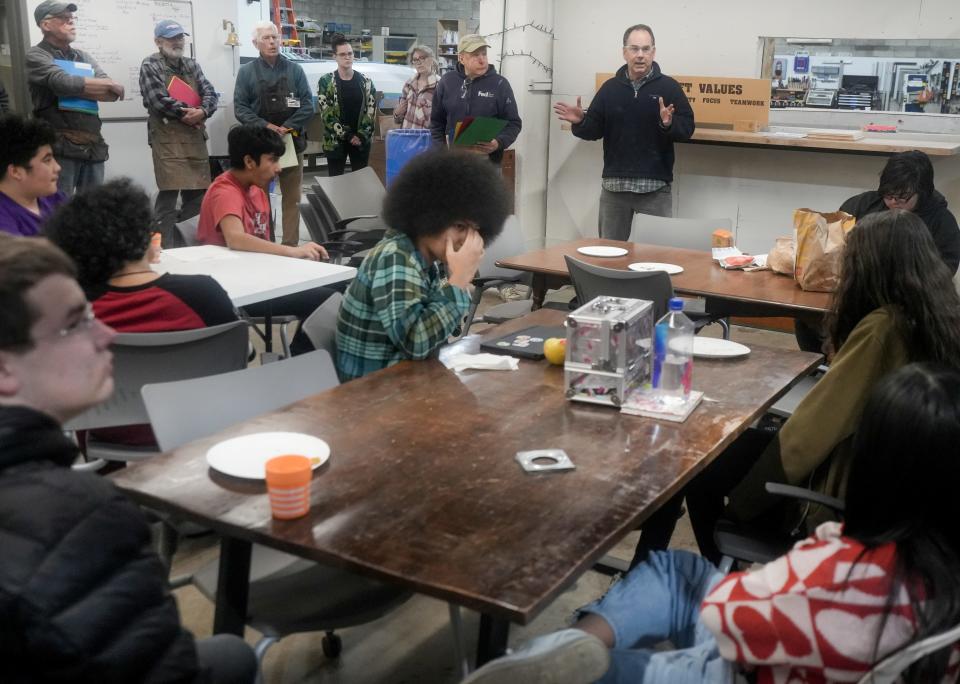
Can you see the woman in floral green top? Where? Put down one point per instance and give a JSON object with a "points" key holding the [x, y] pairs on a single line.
{"points": [[348, 106]]}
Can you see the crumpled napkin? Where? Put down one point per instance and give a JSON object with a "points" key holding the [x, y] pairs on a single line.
{"points": [[459, 362]]}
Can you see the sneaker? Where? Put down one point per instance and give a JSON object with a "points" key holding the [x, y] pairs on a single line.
{"points": [[570, 656], [509, 293]]}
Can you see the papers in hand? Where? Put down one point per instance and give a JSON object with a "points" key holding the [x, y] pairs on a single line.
{"points": [[289, 157], [77, 104], [460, 362], [181, 90], [480, 129], [647, 403]]}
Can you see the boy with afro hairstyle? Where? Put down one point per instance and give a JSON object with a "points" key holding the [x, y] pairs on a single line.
{"points": [[413, 289]]}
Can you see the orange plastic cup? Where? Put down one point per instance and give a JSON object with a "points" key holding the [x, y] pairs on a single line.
{"points": [[288, 484], [156, 246]]}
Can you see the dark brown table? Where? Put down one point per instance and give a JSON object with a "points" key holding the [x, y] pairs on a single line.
{"points": [[422, 488], [729, 293]]}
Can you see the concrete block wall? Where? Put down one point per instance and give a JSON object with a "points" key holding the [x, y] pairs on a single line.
{"points": [[417, 17], [340, 11]]}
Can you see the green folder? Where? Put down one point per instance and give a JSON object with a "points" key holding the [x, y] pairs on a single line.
{"points": [[481, 129]]}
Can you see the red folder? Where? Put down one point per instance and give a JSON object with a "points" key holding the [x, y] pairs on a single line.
{"points": [[181, 90]]}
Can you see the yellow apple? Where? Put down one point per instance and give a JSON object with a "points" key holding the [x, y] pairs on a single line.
{"points": [[555, 350]]}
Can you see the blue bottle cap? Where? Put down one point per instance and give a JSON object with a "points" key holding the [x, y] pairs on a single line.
{"points": [[676, 304]]}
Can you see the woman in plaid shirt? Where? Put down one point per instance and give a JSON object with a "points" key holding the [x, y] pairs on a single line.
{"points": [[413, 289]]}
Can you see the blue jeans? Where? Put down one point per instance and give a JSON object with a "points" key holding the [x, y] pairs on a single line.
{"points": [[660, 600], [77, 175]]}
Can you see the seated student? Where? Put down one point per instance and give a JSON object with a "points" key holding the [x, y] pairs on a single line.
{"points": [[106, 230], [413, 289], [28, 175], [82, 596], [895, 304], [236, 213], [906, 182], [839, 602]]}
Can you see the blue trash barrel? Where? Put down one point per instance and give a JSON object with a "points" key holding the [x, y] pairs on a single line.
{"points": [[403, 144]]}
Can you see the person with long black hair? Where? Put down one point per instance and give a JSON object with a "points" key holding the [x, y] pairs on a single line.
{"points": [[836, 604], [895, 304]]}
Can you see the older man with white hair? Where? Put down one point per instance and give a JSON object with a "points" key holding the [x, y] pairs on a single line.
{"points": [[273, 92]]}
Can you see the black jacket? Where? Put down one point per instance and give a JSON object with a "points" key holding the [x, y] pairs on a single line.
{"points": [[933, 212], [82, 596], [487, 95], [635, 144]]}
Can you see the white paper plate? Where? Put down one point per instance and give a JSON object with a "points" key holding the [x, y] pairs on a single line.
{"points": [[602, 251], [672, 269], [247, 456], [713, 347]]}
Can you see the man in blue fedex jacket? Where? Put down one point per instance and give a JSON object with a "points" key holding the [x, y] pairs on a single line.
{"points": [[475, 89], [639, 113]]}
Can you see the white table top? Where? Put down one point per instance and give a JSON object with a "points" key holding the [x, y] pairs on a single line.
{"points": [[251, 277]]}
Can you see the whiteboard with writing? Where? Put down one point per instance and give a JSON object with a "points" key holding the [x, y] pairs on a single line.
{"points": [[119, 34]]}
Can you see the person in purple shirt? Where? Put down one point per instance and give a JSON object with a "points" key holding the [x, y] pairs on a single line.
{"points": [[28, 175]]}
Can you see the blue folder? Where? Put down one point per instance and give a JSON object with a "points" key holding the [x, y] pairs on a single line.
{"points": [[73, 103]]}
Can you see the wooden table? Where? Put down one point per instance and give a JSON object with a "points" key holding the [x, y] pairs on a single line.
{"points": [[730, 293], [934, 145], [422, 488]]}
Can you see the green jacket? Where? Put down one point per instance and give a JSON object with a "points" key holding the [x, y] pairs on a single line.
{"points": [[813, 449], [334, 133]]}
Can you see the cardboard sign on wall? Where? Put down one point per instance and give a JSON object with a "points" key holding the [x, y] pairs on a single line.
{"points": [[722, 101]]}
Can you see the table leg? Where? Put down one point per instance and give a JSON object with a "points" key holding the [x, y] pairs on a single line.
{"points": [[492, 642], [268, 331], [539, 289], [233, 587]]}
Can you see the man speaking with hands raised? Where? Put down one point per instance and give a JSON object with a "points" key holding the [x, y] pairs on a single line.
{"points": [[639, 113]]}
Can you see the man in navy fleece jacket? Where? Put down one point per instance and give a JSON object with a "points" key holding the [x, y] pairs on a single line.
{"points": [[639, 113]]}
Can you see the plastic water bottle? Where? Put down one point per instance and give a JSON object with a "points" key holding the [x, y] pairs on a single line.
{"points": [[673, 355]]}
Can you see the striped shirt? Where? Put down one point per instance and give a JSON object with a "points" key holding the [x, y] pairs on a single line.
{"points": [[398, 307]]}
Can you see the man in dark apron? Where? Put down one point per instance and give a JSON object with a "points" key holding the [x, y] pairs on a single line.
{"points": [[65, 85], [272, 91], [179, 99]]}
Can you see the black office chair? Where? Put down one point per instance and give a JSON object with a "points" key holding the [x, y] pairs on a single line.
{"points": [[591, 281]]}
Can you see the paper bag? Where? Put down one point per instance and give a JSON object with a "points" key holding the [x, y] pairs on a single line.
{"points": [[782, 256], [820, 239]]}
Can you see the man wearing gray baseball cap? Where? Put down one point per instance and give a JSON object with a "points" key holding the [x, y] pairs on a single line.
{"points": [[65, 94], [179, 99]]}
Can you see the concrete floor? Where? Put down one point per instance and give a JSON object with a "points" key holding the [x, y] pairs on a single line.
{"points": [[414, 643]]}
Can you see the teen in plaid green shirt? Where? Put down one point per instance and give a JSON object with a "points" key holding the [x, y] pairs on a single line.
{"points": [[443, 207]]}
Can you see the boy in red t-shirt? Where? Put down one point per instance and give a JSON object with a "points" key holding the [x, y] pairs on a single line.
{"points": [[236, 213], [236, 210]]}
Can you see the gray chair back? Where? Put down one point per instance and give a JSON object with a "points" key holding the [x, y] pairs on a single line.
{"points": [[592, 281], [689, 233], [313, 222], [186, 410], [353, 194], [143, 358], [509, 243], [321, 325], [188, 231]]}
